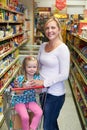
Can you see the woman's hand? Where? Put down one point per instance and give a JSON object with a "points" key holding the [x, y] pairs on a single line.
{"points": [[36, 83]]}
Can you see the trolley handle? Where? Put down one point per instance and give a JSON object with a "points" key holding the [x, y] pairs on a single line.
{"points": [[26, 88]]}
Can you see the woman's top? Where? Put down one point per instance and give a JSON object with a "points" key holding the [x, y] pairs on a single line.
{"points": [[26, 97], [54, 68]]}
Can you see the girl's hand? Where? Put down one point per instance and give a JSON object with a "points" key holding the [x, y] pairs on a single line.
{"points": [[26, 84], [36, 83], [16, 85]]}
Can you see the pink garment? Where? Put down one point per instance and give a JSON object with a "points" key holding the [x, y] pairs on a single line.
{"points": [[22, 108]]}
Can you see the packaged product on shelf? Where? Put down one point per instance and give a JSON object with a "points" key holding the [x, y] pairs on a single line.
{"points": [[15, 42], [84, 51], [82, 24], [1, 105], [4, 3], [85, 90], [1, 66], [20, 39], [5, 78], [20, 29], [11, 16], [7, 46], [84, 69], [14, 29], [14, 17], [8, 30], [16, 53], [1, 49], [78, 95], [5, 62], [10, 72], [6, 16], [85, 112], [1, 34], [1, 15], [1, 83]]}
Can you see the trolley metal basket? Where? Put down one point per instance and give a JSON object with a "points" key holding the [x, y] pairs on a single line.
{"points": [[12, 118]]}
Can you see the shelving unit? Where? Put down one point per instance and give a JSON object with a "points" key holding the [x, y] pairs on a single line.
{"points": [[78, 73], [29, 17], [13, 34]]}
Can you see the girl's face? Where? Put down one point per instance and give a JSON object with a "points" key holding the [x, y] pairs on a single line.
{"points": [[31, 67], [51, 30]]}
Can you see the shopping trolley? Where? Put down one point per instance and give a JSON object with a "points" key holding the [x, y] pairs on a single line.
{"points": [[12, 118]]}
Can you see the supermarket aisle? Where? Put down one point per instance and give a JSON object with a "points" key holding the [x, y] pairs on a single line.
{"points": [[68, 119]]}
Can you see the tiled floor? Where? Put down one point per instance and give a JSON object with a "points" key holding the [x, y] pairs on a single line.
{"points": [[68, 119]]}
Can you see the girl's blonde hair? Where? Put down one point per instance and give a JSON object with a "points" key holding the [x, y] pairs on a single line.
{"points": [[52, 18], [25, 61]]}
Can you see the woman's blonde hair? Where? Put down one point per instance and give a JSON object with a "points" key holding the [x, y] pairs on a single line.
{"points": [[52, 18], [25, 61]]}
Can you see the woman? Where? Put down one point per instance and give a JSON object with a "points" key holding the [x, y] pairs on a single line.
{"points": [[54, 63]]}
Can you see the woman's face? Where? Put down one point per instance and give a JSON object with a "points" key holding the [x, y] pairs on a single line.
{"points": [[51, 30]]}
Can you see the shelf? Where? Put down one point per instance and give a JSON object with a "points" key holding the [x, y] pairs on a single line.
{"points": [[9, 37], [8, 67], [80, 111], [15, 22], [12, 50], [13, 11], [1, 119], [75, 43], [38, 36], [79, 37], [83, 39], [79, 87], [82, 117], [79, 70], [79, 53], [17, 31], [7, 83]]}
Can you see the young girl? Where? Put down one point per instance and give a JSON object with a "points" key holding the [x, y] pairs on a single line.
{"points": [[26, 100]]}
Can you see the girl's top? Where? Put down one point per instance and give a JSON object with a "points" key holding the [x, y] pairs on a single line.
{"points": [[26, 97], [54, 68]]}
